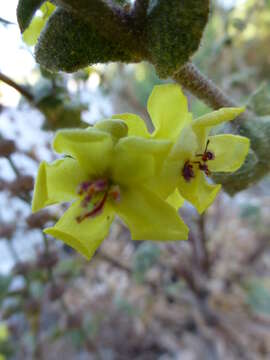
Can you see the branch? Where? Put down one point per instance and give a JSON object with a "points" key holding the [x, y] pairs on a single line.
{"points": [[199, 85], [6, 22], [204, 89], [21, 89]]}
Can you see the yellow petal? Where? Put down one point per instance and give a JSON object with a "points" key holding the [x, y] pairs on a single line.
{"points": [[168, 109], [131, 168], [175, 199], [198, 191], [92, 148], [202, 125], [86, 236], [149, 217], [186, 145], [57, 182], [230, 152], [136, 126], [117, 128], [139, 150]]}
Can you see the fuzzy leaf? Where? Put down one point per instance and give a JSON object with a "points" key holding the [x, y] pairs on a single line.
{"points": [[174, 30], [68, 44]]}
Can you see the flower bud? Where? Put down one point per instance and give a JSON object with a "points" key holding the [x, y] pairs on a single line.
{"points": [[117, 128]]}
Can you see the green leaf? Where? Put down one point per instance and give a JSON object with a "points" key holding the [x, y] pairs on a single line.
{"points": [[26, 10], [68, 44], [174, 30]]}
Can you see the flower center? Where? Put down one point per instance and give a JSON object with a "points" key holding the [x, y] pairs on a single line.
{"points": [[188, 169], [94, 196]]}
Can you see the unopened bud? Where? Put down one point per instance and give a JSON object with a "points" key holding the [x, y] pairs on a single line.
{"points": [[117, 128]]}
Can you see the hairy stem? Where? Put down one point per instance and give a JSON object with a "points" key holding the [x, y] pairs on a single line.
{"points": [[198, 84], [204, 89]]}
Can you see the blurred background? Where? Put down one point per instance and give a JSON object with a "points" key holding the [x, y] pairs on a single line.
{"points": [[206, 298]]}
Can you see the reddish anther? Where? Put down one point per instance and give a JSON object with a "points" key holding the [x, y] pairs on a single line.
{"points": [[207, 155], [188, 172], [95, 193], [95, 211]]}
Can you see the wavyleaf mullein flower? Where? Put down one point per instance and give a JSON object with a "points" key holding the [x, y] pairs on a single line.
{"points": [[195, 154], [104, 175]]}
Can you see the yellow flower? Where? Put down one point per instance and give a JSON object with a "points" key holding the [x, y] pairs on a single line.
{"points": [[104, 174], [195, 154]]}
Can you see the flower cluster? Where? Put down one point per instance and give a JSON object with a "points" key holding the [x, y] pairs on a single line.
{"points": [[118, 168]]}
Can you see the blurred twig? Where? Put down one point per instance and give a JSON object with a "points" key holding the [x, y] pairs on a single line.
{"points": [[21, 89]]}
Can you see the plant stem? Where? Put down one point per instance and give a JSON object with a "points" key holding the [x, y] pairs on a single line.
{"points": [[204, 89], [199, 85]]}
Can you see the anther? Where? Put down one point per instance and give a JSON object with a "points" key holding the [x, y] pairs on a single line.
{"points": [[188, 172]]}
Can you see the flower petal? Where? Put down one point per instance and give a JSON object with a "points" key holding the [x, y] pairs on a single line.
{"points": [[175, 199], [56, 182], [92, 148], [115, 127], [186, 146], [230, 152], [198, 191], [149, 217], [202, 125], [168, 109], [136, 125], [85, 237], [132, 168], [138, 159]]}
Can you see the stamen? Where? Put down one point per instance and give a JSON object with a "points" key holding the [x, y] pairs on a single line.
{"points": [[207, 155], [96, 211], [188, 172], [203, 167], [95, 193], [83, 187], [115, 193]]}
